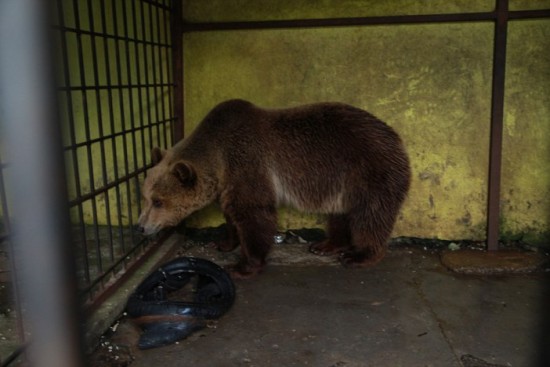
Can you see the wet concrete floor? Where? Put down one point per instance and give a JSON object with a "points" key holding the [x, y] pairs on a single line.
{"points": [[409, 310]]}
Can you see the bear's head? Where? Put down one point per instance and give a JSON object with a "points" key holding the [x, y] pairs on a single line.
{"points": [[173, 189]]}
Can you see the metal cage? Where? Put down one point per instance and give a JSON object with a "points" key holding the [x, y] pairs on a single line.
{"points": [[116, 88]]}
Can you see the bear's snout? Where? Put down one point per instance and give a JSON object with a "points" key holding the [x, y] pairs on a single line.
{"points": [[147, 230], [145, 225]]}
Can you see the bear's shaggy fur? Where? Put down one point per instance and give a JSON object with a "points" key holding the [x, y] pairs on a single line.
{"points": [[326, 158]]}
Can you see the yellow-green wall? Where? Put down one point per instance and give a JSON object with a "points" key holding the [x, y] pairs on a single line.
{"points": [[525, 197], [432, 83]]}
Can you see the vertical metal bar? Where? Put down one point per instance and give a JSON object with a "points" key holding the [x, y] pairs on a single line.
{"points": [[99, 111], [86, 113], [40, 206], [161, 81], [497, 116], [132, 115], [177, 68], [138, 73], [140, 101], [107, 60], [154, 69], [147, 46], [169, 70]]}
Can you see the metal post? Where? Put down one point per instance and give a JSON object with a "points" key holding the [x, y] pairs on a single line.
{"points": [[497, 116], [176, 22], [31, 134]]}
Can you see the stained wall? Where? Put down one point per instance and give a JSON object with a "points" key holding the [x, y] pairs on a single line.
{"points": [[431, 82]]}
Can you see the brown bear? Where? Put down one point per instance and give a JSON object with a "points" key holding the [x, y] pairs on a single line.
{"points": [[328, 158]]}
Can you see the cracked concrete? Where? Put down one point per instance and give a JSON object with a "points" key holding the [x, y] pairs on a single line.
{"points": [[409, 310]]}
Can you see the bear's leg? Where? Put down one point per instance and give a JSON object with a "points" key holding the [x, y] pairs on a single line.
{"points": [[339, 237], [232, 240], [256, 227], [370, 231]]}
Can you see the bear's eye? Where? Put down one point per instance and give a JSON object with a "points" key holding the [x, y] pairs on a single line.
{"points": [[157, 203]]}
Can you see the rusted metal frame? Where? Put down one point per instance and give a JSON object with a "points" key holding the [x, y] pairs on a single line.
{"points": [[87, 134], [116, 86], [107, 60], [169, 90], [101, 280], [338, 22], [130, 269], [158, 74], [140, 100], [167, 24], [138, 74], [497, 117], [133, 128], [159, 53], [122, 261], [107, 35], [529, 14], [146, 71], [115, 135], [115, 17], [170, 70], [359, 21], [157, 4], [101, 131], [126, 178], [92, 194], [154, 69], [177, 28], [106, 291]]}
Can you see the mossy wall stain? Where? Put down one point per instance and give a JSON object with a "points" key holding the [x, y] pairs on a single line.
{"points": [[525, 194]]}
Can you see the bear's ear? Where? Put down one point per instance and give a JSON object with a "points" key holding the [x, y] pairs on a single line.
{"points": [[185, 173], [156, 155]]}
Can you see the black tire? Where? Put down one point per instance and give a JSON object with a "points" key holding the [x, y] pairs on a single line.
{"points": [[215, 293]]}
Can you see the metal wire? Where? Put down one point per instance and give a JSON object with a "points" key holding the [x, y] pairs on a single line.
{"points": [[115, 93]]}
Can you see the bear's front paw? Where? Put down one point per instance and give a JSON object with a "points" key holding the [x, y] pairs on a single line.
{"points": [[326, 247]]}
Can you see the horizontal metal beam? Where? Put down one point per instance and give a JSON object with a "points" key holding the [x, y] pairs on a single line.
{"points": [[359, 21]]}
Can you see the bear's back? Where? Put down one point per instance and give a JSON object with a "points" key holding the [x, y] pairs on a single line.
{"points": [[317, 157]]}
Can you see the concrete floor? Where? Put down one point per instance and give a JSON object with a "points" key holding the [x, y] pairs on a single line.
{"points": [[407, 311]]}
